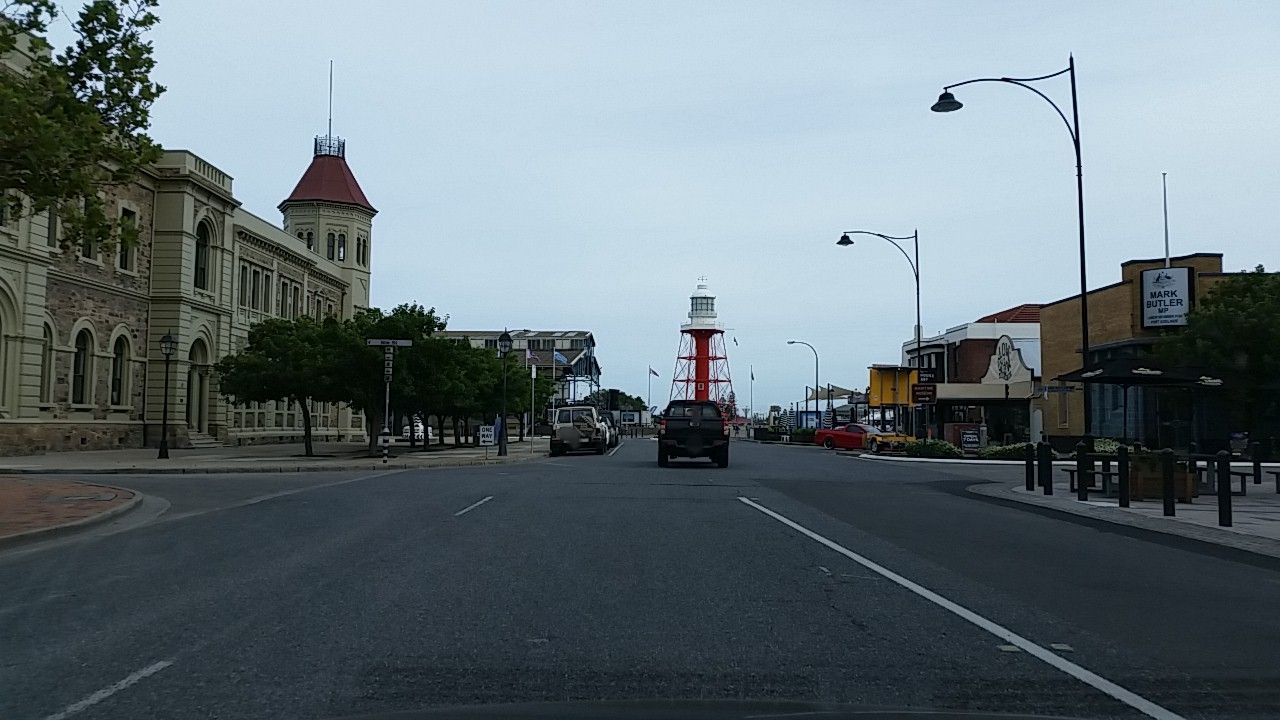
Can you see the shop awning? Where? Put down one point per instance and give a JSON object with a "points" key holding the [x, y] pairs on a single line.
{"points": [[1129, 371]]}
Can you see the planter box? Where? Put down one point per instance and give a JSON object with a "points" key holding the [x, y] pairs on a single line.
{"points": [[1147, 483]]}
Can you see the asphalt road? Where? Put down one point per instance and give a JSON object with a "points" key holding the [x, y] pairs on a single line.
{"points": [[793, 574]]}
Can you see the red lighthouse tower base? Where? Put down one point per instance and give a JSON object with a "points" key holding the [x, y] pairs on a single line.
{"points": [[702, 362]]}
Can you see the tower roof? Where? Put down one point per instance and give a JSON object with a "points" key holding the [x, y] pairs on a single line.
{"points": [[329, 178]]}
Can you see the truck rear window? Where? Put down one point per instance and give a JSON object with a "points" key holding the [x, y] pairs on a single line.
{"points": [[707, 412]]}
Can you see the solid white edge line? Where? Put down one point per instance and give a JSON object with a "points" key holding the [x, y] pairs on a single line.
{"points": [[107, 692], [473, 506], [620, 444], [1088, 677]]}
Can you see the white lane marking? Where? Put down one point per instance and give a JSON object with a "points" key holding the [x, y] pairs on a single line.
{"points": [[620, 444], [107, 692], [473, 506], [1088, 677]]}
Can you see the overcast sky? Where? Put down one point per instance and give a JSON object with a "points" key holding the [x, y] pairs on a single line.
{"points": [[578, 165]]}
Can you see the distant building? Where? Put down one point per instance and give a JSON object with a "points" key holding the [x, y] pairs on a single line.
{"points": [[985, 375], [575, 376]]}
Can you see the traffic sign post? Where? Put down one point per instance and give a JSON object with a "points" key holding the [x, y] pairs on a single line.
{"points": [[486, 439], [924, 393], [388, 346]]}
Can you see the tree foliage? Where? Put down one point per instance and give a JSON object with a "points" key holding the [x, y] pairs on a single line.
{"points": [[627, 402], [74, 121], [1234, 331], [292, 360]]}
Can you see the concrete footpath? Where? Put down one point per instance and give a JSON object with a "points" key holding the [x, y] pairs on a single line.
{"points": [[328, 457], [1255, 517]]}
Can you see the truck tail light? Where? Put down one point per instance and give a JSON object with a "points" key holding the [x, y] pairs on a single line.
{"points": [[662, 425]]}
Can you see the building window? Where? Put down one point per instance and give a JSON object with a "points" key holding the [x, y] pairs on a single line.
{"points": [[333, 245], [342, 247], [244, 285], [51, 237], [311, 240], [255, 289], [82, 368], [296, 302], [201, 274], [88, 248], [124, 253], [1064, 405], [119, 371], [491, 344], [46, 366], [328, 310], [266, 292]]}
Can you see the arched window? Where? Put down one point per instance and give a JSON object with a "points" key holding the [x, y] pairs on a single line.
{"points": [[311, 240], [202, 257], [120, 372], [342, 247], [82, 368], [333, 244], [46, 366]]}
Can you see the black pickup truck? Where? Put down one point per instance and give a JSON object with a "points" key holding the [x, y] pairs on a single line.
{"points": [[692, 429]]}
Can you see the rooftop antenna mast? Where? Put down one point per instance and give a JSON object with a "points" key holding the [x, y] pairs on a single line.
{"points": [[330, 133]]}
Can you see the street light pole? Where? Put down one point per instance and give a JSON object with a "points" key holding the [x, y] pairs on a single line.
{"points": [[948, 103], [914, 237], [167, 346], [815, 374], [504, 349]]}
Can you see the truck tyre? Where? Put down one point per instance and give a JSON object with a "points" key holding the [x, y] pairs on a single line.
{"points": [[601, 446]]}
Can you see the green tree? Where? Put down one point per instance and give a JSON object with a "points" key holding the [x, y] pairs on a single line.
{"points": [[1235, 332], [600, 398], [292, 360], [74, 122]]}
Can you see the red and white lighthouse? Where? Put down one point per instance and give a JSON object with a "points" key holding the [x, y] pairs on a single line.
{"points": [[702, 363]]}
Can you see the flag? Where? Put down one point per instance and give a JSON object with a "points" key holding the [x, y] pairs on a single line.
{"points": [[753, 374], [559, 358], [735, 340], [654, 372], [528, 355]]}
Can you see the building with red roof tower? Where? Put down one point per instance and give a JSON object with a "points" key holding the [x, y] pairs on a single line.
{"points": [[329, 212]]}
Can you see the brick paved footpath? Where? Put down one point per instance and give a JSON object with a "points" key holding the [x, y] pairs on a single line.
{"points": [[32, 503]]}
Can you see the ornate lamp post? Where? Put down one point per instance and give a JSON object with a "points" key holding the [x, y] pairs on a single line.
{"points": [[167, 346]]}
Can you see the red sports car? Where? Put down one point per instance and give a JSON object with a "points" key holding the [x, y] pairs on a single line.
{"points": [[856, 437]]}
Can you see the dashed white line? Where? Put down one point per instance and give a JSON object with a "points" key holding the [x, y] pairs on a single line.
{"points": [[107, 692], [473, 506], [1088, 677]]}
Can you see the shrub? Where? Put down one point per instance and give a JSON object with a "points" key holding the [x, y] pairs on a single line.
{"points": [[932, 449], [1016, 451], [1107, 445], [802, 435]]}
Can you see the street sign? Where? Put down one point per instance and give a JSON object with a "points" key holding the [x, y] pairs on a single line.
{"points": [[927, 375], [1058, 388], [924, 393], [385, 342], [970, 439], [486, 435]]}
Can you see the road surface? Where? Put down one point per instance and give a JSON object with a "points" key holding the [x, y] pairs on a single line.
{"points": [[796, 573]]}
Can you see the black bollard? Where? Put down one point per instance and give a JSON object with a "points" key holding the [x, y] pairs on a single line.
{"points": [[1255, 454], [1046, 467], [1166, 480], [1122, 461], [1031, 467], [1224, 488], [1082, 471]]}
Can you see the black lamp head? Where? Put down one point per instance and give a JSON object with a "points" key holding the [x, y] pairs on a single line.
{"points": [[946, 103]]}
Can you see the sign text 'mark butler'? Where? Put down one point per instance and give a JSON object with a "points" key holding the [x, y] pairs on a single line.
{"points": [[1166, 296]]}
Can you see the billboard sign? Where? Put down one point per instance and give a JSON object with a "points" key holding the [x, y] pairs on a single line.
{"points": [[1166, 297]]}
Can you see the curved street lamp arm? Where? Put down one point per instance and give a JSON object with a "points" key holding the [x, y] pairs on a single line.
{"points": [[892, 240], [1022, 82]]}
